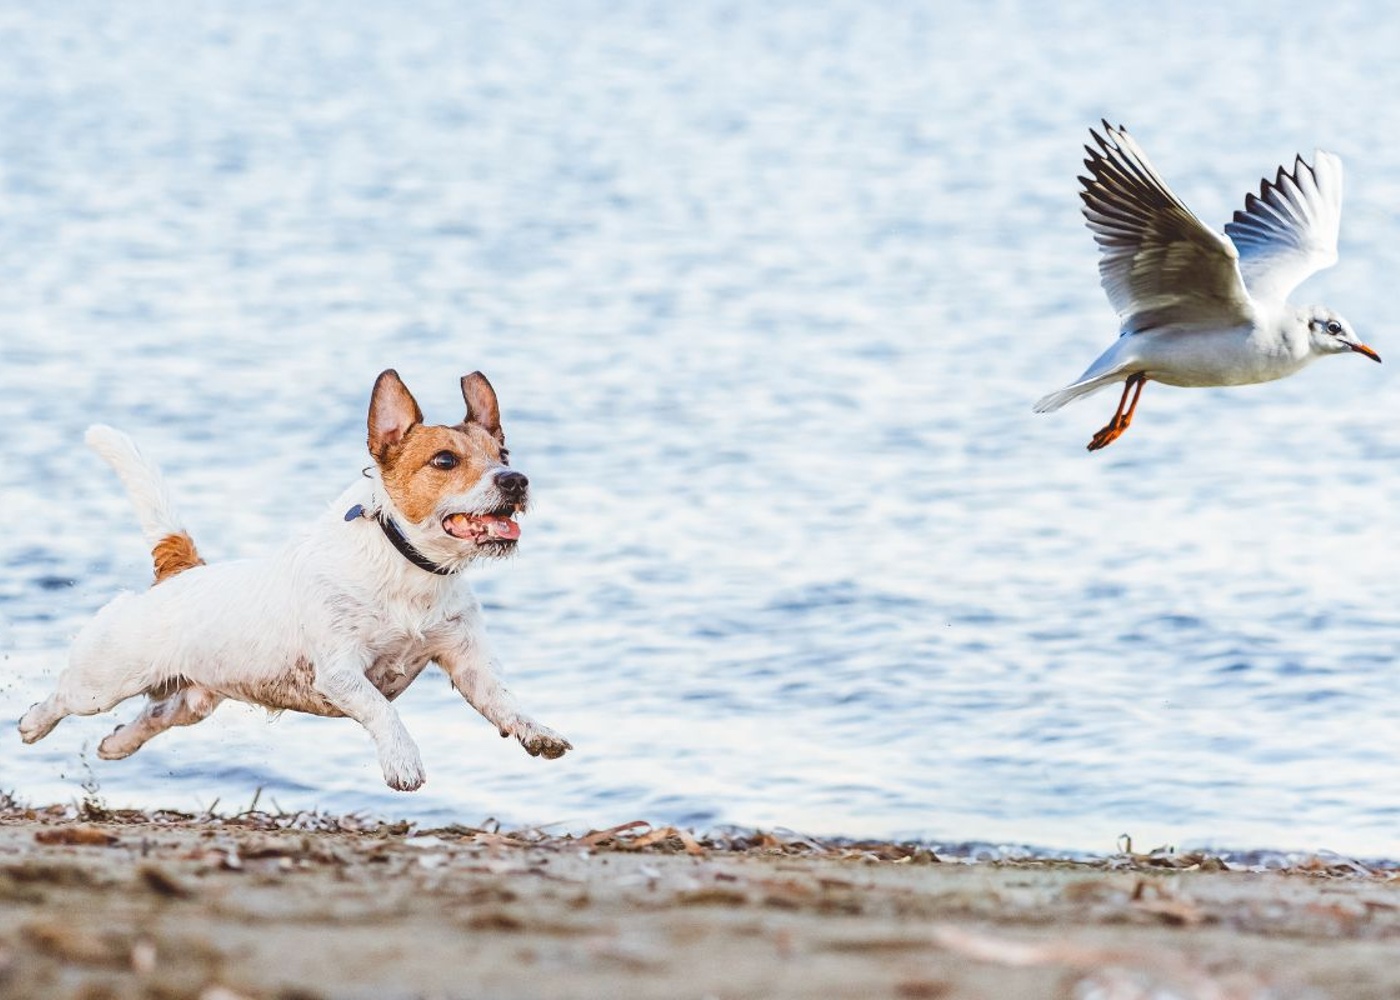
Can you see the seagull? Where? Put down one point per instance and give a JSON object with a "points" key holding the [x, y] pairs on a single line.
{"points": [[1198, 308]]}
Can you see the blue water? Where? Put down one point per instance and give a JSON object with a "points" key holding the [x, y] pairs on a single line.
{"points": [[767, 291]]}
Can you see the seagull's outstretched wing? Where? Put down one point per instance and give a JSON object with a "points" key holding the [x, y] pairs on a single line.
{"points": [[1289, 232], [1161, 266]]}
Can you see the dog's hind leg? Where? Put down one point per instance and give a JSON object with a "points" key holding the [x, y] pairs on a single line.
{"points": [[183, 708], [72, 698], [102, 672], [39, 721]]}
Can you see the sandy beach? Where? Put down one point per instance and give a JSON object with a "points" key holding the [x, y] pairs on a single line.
{"points": [[98, 904]]}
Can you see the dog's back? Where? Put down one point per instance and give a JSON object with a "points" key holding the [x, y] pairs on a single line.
{"points": [[172, 549]]}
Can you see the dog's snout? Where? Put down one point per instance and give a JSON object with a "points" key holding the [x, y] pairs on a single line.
{"points": [[513, 484]]}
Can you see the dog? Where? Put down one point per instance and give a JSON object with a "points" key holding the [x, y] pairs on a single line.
{"points": [[341, 620]]}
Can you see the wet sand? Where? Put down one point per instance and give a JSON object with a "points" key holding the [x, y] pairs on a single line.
{"points": [[125, 905]]}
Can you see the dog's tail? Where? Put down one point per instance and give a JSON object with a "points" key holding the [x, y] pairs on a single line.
{"points": [[172, 549]]}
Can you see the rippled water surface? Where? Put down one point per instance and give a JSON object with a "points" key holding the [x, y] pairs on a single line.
{"points": [[767, 291]]}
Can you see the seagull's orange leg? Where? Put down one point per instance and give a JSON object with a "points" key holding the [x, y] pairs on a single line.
{"points": [[1122, 418]]}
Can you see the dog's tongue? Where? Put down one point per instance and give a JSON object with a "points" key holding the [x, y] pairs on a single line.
{"points": [[476, 527], [501, 527]]}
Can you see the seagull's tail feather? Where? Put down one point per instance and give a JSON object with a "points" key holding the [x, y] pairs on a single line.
{"points": [[1084, 387], [172, 549]]}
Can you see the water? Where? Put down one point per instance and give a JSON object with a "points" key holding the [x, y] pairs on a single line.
{"points": [[767, 293]]}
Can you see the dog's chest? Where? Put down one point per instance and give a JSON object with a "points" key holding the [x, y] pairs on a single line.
{"points": [[393, 671]]}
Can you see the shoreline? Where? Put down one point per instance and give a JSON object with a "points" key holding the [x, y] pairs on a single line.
{"points": [[105, 903], [1128, 849]]}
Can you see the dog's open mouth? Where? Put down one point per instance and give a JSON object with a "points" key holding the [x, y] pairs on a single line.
{"points": [[482, 528]]}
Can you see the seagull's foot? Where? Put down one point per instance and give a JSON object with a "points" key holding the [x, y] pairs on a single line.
{"points": [[1124, 415], [1109, 434]]}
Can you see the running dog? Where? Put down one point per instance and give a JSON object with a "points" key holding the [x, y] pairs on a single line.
{"points": [[341, 620]]}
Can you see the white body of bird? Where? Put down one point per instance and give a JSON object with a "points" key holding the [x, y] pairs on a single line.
{"points": [[1198, 308]]}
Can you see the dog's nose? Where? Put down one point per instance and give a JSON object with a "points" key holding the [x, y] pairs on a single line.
{"points": [[513, 484]]}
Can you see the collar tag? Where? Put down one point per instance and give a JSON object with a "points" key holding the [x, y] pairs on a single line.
{"points": [[356, 511]]}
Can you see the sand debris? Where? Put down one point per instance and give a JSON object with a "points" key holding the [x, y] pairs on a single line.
{"points": [[98, 825], [162, 883], [82, 835]]}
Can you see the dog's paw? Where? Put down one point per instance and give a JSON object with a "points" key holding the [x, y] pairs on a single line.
{"points": [[113, 746], [36, 723], [403, 771], [538, 740]]}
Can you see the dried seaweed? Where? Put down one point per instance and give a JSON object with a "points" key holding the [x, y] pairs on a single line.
{"points": [[89, 836], [641, 836]]}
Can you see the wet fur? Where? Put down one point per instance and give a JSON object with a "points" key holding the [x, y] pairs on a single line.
{"points": [[337, 623]]}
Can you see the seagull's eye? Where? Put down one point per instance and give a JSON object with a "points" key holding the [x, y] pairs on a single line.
{"points": [[1334, 328], [443, 460]]}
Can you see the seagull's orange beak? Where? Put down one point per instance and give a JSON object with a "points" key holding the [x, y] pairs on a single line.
{"points": [[1360, 348]]}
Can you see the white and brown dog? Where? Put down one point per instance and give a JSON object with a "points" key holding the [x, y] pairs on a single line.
{"points": [[341, 620]]}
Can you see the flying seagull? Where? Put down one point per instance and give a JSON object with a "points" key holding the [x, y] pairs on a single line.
{"points": [[1197, 308]]}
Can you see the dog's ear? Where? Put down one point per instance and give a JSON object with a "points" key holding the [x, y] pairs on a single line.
{"points": [[481, 404], [392, 411]]}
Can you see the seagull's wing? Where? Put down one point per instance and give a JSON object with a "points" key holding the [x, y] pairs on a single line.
{"points": [[1160, 265], [1289, 232]]}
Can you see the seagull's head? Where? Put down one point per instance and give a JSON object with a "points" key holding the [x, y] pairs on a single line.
{"points": [[1328, 333]]}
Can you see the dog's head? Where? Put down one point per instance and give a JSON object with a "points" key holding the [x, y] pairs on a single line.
{"points": [[453, 485]]}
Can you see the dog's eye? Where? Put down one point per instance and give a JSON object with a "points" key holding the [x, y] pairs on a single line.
{"points": [[443, 460], [505, 456]]}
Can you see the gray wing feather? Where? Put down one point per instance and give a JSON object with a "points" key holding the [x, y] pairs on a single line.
{"points": [[1160, 265], [1289, 232]]}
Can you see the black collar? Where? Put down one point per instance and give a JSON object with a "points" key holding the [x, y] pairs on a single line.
{"points": [[398, 541]]}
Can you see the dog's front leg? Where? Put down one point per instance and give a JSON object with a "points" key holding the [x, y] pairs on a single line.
{"points": [[475, 673], [346, 687]]}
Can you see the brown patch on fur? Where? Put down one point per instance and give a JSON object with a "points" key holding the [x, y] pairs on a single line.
{"points": [[416, 486], [174, 554], [293, 688], [403, 446]]}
